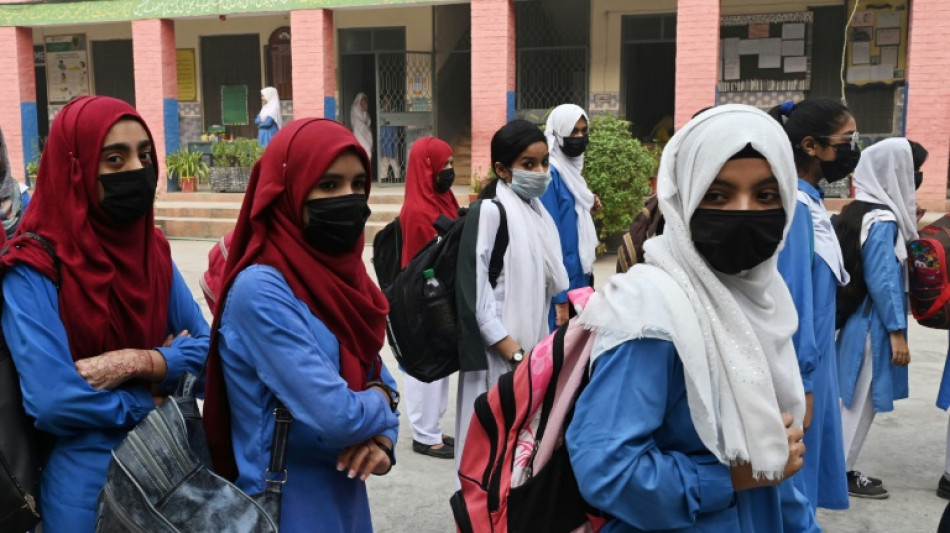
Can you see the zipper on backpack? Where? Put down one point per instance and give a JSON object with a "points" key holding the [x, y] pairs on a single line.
{"points": [[487, 420], [151, 465], [161, 426]]}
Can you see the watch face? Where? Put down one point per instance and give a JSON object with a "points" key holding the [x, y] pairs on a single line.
{"points": [[518, 356]]}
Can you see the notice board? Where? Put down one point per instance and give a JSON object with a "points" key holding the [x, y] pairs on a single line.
{"points": [[766, 52], [234, 105]]}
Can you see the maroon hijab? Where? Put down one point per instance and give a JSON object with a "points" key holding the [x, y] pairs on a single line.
{"points": [[269, 231], [423, 203], [115, 280]]}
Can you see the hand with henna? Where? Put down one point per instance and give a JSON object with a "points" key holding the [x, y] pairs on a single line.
{"points": [[111, 369]]}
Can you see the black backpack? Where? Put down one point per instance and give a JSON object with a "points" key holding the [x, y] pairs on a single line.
{"points": [[420, 351], [23, 448], [387, 253]]}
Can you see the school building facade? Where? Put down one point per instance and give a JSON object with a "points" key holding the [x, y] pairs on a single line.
{"points": [[459, 70]]}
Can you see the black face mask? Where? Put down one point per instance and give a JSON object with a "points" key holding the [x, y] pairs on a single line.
{"points": [[445, 179], [733, 241], [574, 146], [918, 179], [336, 223], [846, 160], [128, 195]]}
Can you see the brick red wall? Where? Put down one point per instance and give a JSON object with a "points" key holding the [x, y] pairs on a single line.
{"points": [[314, 60], [18, 79], [493, 74], [697, 57], [156, 78], [928, 95]]}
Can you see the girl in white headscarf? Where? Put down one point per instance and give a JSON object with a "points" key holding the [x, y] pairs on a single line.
{"points": [[872, 346], [12, 198], [693, 414], [569, 201], [361, 123], [268, 120]]}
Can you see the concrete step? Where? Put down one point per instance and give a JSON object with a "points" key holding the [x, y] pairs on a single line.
{"points": [[197, 210], [190, 197], [194, 228]]}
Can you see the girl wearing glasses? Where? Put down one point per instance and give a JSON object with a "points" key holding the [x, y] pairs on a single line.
{"points": [[824, 143]]}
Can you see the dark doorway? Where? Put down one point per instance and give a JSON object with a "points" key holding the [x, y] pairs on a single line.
{"points": [[42, 105], [231, 60], [648, 70], [113, 68], [358, 75]]}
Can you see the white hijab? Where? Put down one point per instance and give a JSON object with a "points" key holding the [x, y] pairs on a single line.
{"points": [[733, 333], [271, 107], [560, 124], [885, 175], [360, 121], [540, 275]]}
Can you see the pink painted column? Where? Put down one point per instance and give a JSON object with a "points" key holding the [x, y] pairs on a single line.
{"points": [[314, 63], [493, 75], [697, 57], [156, 84], [928, 96], [18, 106]]}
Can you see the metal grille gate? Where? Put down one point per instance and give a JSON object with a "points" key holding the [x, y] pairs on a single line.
{"points": [[404, 89], [553, 47]]}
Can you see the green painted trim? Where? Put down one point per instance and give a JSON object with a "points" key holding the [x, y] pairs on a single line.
{"points": [[92, 11]]}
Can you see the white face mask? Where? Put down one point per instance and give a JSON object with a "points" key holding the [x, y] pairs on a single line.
{"points": [[529, 185]]}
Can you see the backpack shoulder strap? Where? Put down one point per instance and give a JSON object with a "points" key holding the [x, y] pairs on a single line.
{"points": [[48, 248], [497, 261]]}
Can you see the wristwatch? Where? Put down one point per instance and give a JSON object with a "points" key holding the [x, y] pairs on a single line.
{"points": [[518, 356], [391, 392]]}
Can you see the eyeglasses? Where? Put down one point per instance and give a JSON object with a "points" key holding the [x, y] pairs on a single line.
{"points": [[849, 138]]}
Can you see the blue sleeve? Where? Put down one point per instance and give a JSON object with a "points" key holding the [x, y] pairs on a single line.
{"points": [[268, 122], [392, 433], [882, 273], [186, 354], [301, 368], [552, 199], [619, 467], [54, 393], [795, 264], [257, 121]]}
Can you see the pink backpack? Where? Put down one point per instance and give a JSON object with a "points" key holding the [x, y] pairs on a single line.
{"points": [[515, 472]]}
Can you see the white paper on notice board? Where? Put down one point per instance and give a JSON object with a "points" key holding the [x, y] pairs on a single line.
{"points": [[749, 47], [770, 53], [859, 74], [889, 56], [730, 48], [795, 30], [796, 64], [889, 19], [860, 53], [882, 72], [730, 69], [793, 48]]}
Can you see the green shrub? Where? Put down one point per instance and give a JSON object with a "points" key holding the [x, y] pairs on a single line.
{"points": [[186, 164], [240, 152], [618, 169]]}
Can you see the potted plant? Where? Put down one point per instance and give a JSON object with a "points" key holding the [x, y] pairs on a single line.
{"points": [[189, 167], [33, 166], [618, 169], [232, 164], [475, 187]]}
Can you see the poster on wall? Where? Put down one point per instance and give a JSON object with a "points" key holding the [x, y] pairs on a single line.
{"points": [[877, 43], [766, 52], [67, 68], [187, 84]]}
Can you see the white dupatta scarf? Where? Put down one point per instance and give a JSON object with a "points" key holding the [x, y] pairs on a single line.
{"points": [[733, 333], [271, 107], [560, 124], [360, 123], [885, 175]]}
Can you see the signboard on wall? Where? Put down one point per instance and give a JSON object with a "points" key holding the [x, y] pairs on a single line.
{"points": [[187, 79], [67, 67], [876, 43]]}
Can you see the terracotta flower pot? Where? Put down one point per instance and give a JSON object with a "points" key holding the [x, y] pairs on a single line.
{"points": [[189, 184]]}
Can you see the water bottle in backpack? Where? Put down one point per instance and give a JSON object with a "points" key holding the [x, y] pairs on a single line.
{"points": [[439, 307]]}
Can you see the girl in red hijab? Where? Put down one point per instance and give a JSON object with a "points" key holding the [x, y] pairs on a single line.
{"points": [[299, 322], [91, 331], [428, 196]]}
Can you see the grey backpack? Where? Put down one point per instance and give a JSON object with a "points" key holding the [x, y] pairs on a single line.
{"points": [[160, 480]]}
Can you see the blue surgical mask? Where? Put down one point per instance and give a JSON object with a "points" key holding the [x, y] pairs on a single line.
{"points": [[528, 184]]}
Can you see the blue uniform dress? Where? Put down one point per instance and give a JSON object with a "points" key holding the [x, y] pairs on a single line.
{"points": [[272, 346], [943, 395], [87, 423], [266, 129], [637, 456], [559, 202], [813, 286], [883, 311]]}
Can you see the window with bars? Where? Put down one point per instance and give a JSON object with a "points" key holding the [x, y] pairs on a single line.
{"points": [[553, 55]]}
